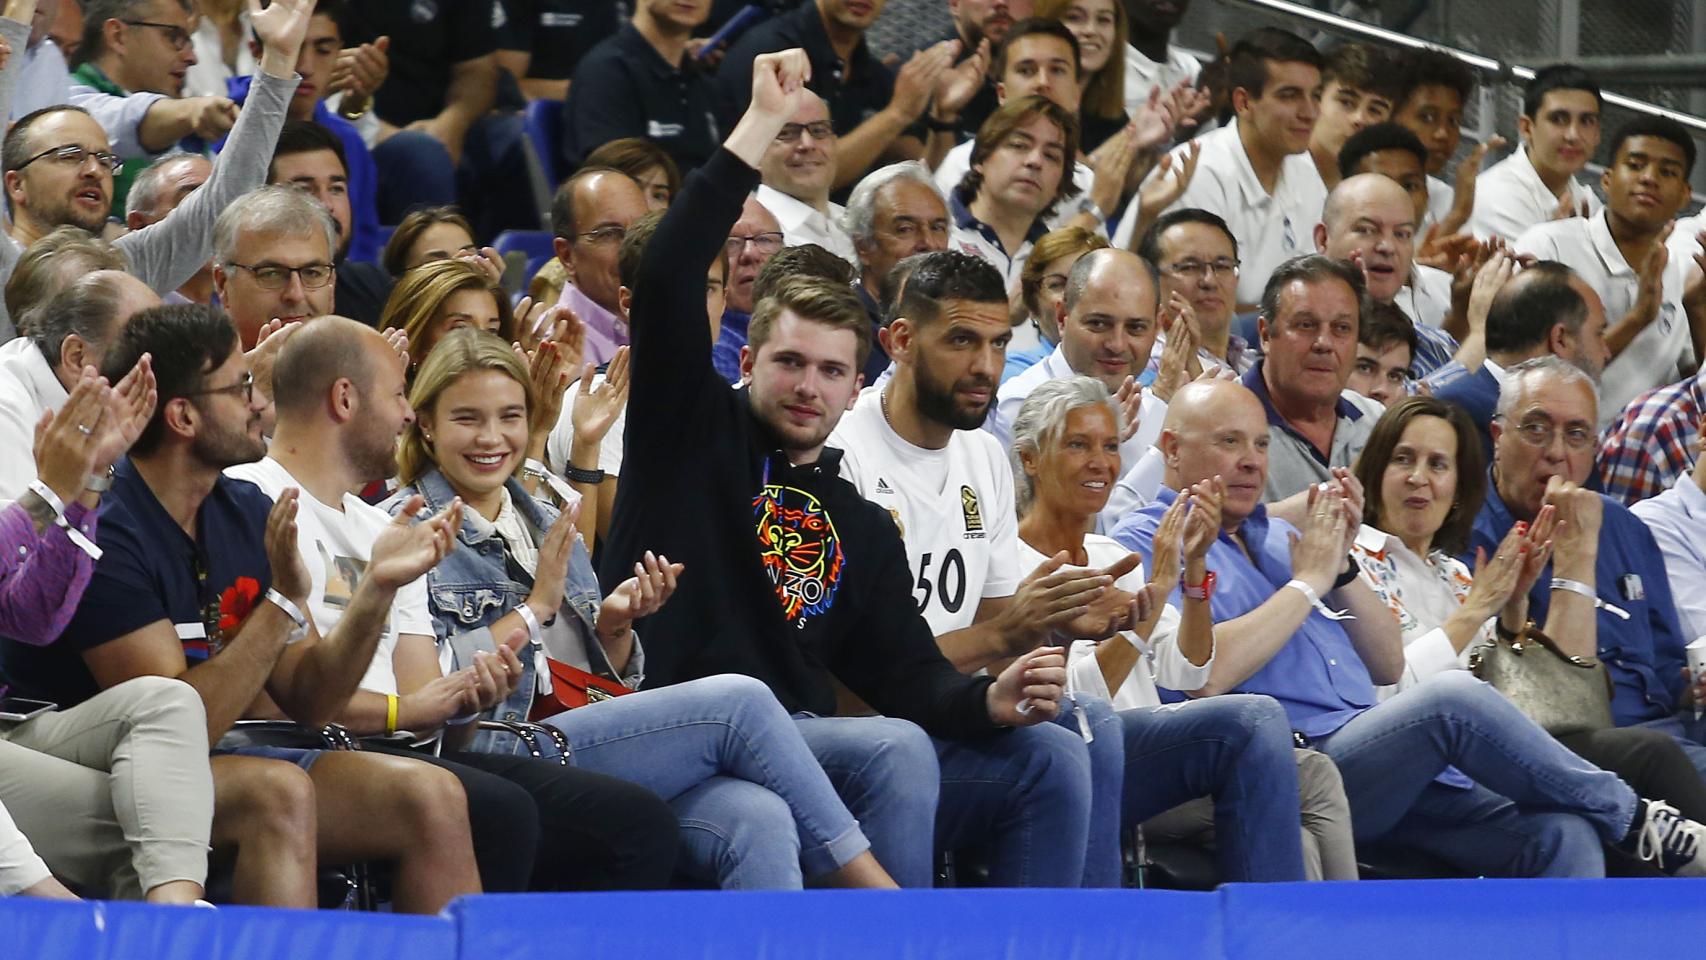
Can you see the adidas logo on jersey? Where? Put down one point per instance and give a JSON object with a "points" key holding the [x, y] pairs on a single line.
{"points": [[883, 486]]}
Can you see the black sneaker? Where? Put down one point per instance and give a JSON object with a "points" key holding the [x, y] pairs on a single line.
{"points": [[1671, 841]]}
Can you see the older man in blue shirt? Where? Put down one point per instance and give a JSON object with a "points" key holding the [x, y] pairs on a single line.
{"points": [[1533, 808], [1545, 431]]}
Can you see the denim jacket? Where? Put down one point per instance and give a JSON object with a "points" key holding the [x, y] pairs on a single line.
{"points": [[471, 588]]}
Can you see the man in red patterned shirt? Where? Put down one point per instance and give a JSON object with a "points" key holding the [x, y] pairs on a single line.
{"points": [[1652, 442]]}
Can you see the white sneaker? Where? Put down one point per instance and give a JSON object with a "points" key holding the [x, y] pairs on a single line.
{"points": [[1671, 841]]}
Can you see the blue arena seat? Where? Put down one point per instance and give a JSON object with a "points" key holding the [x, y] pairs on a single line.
{"points": [[543, 121], [535, 245]]}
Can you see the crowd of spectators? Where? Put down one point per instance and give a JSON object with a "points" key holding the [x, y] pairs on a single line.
{"points": [[975, 458]]}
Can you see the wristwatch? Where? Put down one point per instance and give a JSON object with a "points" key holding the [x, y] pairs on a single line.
{"points": [[99, 482]]}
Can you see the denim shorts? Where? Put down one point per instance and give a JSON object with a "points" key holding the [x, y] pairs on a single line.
{"points": [[301, 756]]}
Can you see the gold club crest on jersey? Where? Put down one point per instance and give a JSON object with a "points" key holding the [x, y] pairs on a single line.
{"points": [[973, 515]]}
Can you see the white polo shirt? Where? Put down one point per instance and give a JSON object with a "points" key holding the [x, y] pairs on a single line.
{"points": [[1143, 74], [1510, 197], [1660, 354], [954, 508], [958, 160], [802, 223], [1440, 197], [1150, 416], [1427, 297], [1271, 228]]}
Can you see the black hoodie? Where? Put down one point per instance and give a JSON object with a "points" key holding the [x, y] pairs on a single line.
{"points": [[791, 577]]}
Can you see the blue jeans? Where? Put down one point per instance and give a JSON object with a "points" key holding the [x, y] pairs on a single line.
{"points": [[1690, 735], [710, 747], [1106, 749], [1024, 795], [1236, 749], [1536, 809]]}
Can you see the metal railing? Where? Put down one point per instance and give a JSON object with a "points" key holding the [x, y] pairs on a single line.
{"points": [[1499, 70]]}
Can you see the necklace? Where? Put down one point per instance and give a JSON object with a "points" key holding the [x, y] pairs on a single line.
{"points": [[883, 401]]}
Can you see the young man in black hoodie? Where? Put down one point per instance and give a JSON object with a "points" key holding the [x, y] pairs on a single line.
{"points": [[803, 584]]}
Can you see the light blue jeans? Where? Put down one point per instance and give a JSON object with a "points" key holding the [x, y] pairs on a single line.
{"points": [[1536, 810], [757, 812], [1022, 795], [1236, 749]]}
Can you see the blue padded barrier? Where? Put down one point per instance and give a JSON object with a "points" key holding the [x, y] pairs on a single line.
{"points": [[50, 930], [33, 929], [1465, 919], [867, 925]]}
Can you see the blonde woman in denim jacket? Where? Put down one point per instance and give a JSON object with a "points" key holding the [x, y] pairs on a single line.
{"points": [[756, 809]]}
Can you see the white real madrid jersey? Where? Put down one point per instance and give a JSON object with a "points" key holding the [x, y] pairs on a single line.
{"points": [[954, 508]]}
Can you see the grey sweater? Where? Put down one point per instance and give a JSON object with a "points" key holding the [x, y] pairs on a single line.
{"points": [[166, 254]]}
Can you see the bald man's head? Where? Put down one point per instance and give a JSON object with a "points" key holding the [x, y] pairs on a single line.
{"points": [[1370, 217], [318, 354], [341, 389], [1217, 428]]}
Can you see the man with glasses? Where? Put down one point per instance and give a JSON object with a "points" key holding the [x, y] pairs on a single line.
{"points": [[137, 47], [59, 168], [272, 260], [753, 240], [589, 217], [1546, 310], [200, 579], [1544, 441], [311, 158], [796, 174], [1196, 256]]}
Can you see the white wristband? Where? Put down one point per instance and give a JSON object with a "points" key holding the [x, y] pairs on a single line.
{"points": [[1582, 589], [531, 619], [291, 610], [1315, 601], [57, 505]]}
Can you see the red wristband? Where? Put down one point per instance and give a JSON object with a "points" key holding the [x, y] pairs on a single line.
{"points": [[1198, 591]]}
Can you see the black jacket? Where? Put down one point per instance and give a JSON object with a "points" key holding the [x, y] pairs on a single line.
{"points": [[791, 577]]}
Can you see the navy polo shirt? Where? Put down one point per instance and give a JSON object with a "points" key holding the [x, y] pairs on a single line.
{"points": [[149, 571], [855, 89], [624, 88], [556, 34], [428, 37]]}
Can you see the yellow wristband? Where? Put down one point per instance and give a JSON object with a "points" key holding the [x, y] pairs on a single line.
{"points": [[390, 713]]}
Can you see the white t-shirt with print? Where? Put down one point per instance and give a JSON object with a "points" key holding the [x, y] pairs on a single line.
{"points": [[336, 542], [954, 508]]}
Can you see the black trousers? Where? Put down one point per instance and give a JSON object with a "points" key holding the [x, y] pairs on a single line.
{"points": [[1653, 765], [538, 825]]}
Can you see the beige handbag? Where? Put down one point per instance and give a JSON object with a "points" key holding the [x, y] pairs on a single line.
{"points": [[1563, 694]]}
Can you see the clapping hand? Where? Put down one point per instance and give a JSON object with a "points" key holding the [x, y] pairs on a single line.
{"points": [[596, 408], [66, 442], [406, 549]]}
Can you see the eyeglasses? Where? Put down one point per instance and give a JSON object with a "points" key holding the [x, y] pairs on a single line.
{"points": [[767, 243], [73, 155], [244, 387], [820, 130], [1191, 269], [605, 236], [1540, 432], [177, 36], [276, 277]]}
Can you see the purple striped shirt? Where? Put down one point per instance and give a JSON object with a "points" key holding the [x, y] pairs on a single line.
{"points": [[42, 576]]}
